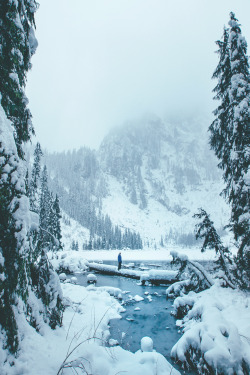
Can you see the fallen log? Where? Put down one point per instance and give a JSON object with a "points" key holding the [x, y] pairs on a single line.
{"points": [[155, 277], [106, 269]]}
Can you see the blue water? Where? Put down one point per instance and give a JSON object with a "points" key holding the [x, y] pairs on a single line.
{"points": [[154, 318]]}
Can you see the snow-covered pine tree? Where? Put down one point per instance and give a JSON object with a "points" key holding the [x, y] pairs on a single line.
{"points": [[18, 44], [18, 286], [27, 183], [45, 235], [230, 136], [49, 290], [15, 222], [205, 230], [54, 224], [238, 184], [221, 127], [35, 179]]}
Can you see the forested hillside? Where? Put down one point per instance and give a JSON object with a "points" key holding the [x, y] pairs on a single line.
{"points": [[148, 176]]}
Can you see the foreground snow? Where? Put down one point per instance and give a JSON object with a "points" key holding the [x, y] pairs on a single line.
{"points": [[216, 330], [80, 342]]}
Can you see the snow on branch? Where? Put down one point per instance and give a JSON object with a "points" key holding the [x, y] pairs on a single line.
{"points": [[205, 230], [204, 280]]}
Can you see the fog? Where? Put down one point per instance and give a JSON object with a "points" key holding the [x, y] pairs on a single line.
{"points": [[100, 63]]}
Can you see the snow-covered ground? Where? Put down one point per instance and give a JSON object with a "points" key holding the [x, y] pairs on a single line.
{"points": [[80, 342], [216, 330], [76, 232], [158, 220], [139, 255], [217, 324], [73, 231]]}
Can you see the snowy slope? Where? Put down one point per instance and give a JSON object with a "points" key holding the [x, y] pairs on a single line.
{"points": [[157, 220], [174, 170], [148, 176], [72, 231]]}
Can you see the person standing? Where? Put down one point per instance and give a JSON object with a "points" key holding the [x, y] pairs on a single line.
{"points": [[119, 261]]}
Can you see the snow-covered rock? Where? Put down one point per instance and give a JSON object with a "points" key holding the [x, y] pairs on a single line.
{"points": [[62, 276], [147, 344], [91, 278]]}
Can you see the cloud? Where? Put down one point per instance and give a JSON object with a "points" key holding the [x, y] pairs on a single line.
{"points": [[100, 62]]}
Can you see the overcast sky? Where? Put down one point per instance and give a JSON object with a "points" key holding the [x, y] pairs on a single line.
{"points": [[102, 62]]}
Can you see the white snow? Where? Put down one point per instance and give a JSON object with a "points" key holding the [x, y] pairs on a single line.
{"points": [[138, 298], [157, 220], [147, 254], [91, 278], [70, 261], [159, 275], [218, 325], [147, 344], [80, 341]]}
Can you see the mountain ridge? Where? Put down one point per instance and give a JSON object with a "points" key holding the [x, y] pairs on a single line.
{"points": [[149, 176]]}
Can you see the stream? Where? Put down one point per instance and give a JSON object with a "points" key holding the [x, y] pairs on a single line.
{"points": [[149, 317]]}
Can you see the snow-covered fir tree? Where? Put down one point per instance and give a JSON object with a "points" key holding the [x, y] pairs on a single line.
{"points": [[49, 290], [230, 136], [49, 217], [44, 211], [211, 240], [54, 224], [220, 128], [18, 288], [35, 179], [15, 224], [18, 44]]}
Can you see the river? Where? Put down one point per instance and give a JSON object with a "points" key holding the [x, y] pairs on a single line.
{"points": [[149, 317]]}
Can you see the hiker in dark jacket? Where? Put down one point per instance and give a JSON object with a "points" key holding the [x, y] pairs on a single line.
{"points": [[119, 261]]}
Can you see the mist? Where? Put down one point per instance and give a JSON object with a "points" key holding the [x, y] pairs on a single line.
{"points": [[101, 63]]}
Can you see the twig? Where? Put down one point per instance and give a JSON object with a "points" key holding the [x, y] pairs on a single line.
{"points": [[73, 318]]}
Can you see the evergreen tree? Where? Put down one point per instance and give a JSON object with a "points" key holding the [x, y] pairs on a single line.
{"points": [[22, 279], [221, 127], [35, 179], [205, 229], [18, 44], [230, 136], [161, 242], [14, 249], [54, 224], [27, 183], [45, 238], [238, 181], [49, 290]]}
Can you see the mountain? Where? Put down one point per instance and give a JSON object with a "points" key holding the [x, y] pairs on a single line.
{"points": [[148, 176]]}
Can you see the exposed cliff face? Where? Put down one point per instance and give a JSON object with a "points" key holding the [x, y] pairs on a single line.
{"points": [[148, 176]]}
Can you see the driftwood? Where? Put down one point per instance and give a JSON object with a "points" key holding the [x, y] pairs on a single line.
{"points": [[122, 272], [132, 274]]}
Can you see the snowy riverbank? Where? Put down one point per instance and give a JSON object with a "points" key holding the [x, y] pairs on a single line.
{"points": [[215, 322], [80, 342], [193, 253], [215, 325]]}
